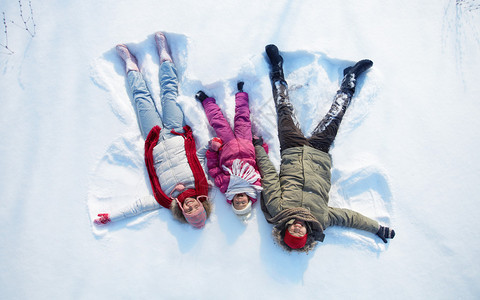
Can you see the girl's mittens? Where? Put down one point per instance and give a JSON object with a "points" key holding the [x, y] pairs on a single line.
{"points": [[102, 220], [215, 144]]}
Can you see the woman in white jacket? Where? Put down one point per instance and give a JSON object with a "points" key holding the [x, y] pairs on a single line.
{"points": [[176, 175]]}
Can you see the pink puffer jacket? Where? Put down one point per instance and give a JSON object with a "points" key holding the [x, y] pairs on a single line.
{"points": [[237, 143]]}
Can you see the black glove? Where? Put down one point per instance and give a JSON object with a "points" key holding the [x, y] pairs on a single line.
{"points": [[257, 140], [385, 233], [240, 86], [200, 96]]}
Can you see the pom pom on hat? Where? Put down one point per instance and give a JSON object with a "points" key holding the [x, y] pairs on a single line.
{"points": [[198, 219]]}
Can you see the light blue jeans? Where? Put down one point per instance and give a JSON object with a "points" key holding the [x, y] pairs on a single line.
{"points": [[147, 113]]}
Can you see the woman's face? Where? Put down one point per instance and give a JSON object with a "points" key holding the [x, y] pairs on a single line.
{"points": [[297, 229], [190, 205], [240, 201]]}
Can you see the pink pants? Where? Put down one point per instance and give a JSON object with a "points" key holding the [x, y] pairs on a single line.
{"points": [[242, 124]]}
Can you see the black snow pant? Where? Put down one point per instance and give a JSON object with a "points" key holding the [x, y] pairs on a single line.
{"points": [[290, 134]]}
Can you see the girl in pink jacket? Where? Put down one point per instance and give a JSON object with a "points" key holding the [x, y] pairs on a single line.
{"points": [[231, 155]]}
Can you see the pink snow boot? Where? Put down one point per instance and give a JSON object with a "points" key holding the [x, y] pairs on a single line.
{"points": [[162, 46], [131, 63]]}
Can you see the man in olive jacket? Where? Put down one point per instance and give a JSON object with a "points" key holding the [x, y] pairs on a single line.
{"points": [[296, 201]]}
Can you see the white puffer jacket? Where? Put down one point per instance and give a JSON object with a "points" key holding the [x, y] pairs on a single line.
{"points": [[172, 168], [171, 164]]}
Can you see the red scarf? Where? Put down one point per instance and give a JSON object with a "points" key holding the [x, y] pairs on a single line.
{"points": [[201, 184]]}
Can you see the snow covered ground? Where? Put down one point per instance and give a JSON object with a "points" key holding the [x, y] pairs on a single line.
{"points": [[406, 154]]}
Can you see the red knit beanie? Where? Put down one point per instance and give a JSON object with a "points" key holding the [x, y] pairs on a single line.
{"points": [[295, 242]]}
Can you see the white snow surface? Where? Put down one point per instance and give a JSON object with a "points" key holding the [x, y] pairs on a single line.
{"points": [[406, 154]]}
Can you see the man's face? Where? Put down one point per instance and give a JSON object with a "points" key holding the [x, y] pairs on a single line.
{"points": [[297, 229]]}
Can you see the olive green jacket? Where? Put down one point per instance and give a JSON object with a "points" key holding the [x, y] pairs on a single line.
{"points": [[304, 181]]}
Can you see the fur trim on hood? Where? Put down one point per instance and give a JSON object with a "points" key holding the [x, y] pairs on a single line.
{"points": [[314, 228]]}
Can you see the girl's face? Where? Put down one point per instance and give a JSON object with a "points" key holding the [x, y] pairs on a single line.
{"points": [[240, 201], [190, 205], [297, 229]]}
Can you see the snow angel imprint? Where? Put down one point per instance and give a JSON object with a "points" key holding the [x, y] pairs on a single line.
{"points": [[296, 200], [176, 175], [231, 155]]}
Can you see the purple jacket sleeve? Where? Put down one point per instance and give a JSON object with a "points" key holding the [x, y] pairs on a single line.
{"points": [[214, 169]]}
